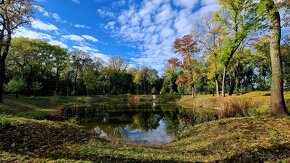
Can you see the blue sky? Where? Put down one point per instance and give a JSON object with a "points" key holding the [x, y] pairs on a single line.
{"points": [[142, 31]]}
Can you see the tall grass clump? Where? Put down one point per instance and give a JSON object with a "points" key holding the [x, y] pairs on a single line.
{"points": [[234, 108]]}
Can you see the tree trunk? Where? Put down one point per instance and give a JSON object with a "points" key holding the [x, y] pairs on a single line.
{"points": [[2, 76], [233, 84], [223, 83], [278, 106], [75, 85], [57, 82], [217, 86], [3, 54], [193, 91], [67, 93]]}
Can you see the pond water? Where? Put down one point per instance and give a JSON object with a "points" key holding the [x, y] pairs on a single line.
{"points": [[140, 123]]}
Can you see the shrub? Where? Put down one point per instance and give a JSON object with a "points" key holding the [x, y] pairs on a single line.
{"points": [[72, 121], [4, 121], [15, 86]]}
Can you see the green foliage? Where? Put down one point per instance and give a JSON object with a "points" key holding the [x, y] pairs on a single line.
{"points": [[169, 85], [4, 120], [15, 85], [72, 121], [36, 86]]}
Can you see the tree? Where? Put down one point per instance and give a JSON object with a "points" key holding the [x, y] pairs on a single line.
{"points": [[90, 79], [211, 38], [15, 86], [59, 58], [36, 86], [262, 62], [186, 47], [13, 14], [285, 50], [239, 18], [278, 105], [36, 61], [117, 64]]}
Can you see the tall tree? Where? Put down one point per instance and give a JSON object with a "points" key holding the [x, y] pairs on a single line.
{"points": [[211, 38], [169, 85], [59, 59], [186, 47], [13, 14], [239, 18], [278, 105]]}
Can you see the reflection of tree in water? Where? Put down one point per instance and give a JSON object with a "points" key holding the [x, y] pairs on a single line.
{"points": [[120, 132], [146, 121], [177, 120], [118, 120]]}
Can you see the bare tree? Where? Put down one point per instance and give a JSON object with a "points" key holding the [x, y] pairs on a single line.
{"points": [[117, 64]]}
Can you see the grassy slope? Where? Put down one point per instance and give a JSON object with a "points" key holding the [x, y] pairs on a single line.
{"points": [[233, 139], [259, 102], [230, 140]]}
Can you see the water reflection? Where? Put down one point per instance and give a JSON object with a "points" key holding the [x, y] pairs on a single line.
{"points": [[141, 123]]}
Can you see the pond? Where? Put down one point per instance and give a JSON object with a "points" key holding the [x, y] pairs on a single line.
{"points": [[138, 122]]}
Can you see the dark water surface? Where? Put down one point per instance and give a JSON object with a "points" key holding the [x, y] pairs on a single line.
{"points": [[141, 123]]}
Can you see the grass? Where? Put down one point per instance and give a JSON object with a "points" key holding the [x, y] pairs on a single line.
{"points": [[228, 140], [44, 106], [36, 107], [239, 139], [252, 104]]}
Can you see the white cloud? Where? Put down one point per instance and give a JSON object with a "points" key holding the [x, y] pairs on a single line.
{"points": [[56, 16], [76, 1], [105, 13], [42, 10], [104, 57], [86, 49], [81, 26], [208, 2], [59, 43], [73, 37], [37, 24], [23, 32], [48, 14], [90, 38], [154, 26], [187, 3]]}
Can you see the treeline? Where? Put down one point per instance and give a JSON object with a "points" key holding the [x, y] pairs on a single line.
{"points": [[239, 48], [35, 67], [248, 70]]}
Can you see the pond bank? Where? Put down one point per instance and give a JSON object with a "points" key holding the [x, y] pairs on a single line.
{"points": [[247, 104], [227, 140]]}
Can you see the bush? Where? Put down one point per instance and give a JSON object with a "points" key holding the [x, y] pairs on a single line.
{"points": [[72, 121], [4, 121], [15, 86]]}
